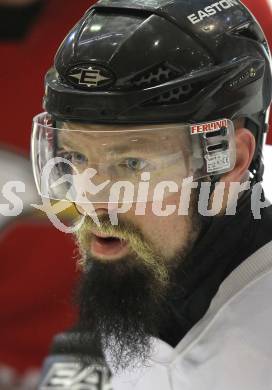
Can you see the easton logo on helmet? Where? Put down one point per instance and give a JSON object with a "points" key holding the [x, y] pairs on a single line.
{"points": [[90, 76], [211, 10]]}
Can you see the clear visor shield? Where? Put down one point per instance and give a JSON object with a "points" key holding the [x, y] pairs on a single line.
{"points": [[99, 163]]}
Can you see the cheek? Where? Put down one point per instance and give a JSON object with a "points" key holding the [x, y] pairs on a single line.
{"points": [[167, 233]]}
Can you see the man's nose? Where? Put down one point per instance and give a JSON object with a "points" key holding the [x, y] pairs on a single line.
{"points": [[99, 209]]}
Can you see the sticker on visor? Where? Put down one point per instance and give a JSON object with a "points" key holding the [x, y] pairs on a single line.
{"points": [[216, 144], [217, 161], [209, 126]]}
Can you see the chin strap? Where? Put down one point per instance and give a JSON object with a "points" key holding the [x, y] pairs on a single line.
{"points": [[259, 131], [214, 179], [258, 171]]}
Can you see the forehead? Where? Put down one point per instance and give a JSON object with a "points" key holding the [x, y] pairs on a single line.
{"points": [[126, 136], [133, 127]]}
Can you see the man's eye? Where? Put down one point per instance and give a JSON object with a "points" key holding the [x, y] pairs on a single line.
{"points": [[74, 157], [135, 164]]}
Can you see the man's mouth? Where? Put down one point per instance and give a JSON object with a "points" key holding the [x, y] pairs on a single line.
{"points": [[108, 247]]}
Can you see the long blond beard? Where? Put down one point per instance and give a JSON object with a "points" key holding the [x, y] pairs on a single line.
{"points": [[138, 245]]}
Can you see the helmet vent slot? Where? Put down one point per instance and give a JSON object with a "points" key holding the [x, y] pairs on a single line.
{"points": [[157, 75], [175, 96], [181, 93]]}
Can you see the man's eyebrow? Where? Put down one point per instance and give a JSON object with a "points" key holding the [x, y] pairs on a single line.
{"points": [[125, 147], [120, 147], [66, 142]]}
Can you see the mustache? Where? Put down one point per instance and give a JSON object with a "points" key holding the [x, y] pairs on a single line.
{"points": [[137, 242]]}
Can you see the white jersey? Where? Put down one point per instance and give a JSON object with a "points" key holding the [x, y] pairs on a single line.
{"points": [[230, 348]]}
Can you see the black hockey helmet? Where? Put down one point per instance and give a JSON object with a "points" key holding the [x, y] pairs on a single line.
{"points": [[167, 61]]}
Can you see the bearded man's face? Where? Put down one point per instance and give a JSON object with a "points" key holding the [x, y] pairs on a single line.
{"points": [[128, 271], [129, 267]]}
